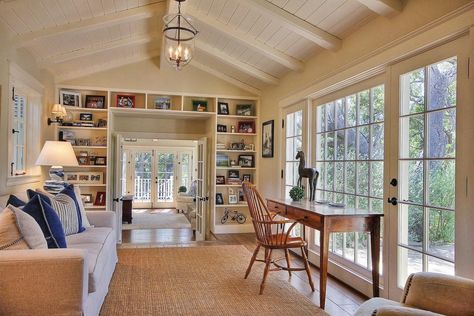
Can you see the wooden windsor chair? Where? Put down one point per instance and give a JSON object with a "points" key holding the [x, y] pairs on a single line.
{"points": [[272, 234]]}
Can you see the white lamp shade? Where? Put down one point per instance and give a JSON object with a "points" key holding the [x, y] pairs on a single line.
{"points": [[57, 109], [56, 153]]}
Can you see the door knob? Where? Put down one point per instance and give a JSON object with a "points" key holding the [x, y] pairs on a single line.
{"points": [[394, 182], [393, 200]]}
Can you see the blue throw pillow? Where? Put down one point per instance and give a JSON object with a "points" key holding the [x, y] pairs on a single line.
{"points": [[48, 221], [16, 202], [67, 207]]}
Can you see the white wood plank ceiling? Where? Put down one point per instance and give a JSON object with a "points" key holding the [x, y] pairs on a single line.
{"points": [[251, 43]]}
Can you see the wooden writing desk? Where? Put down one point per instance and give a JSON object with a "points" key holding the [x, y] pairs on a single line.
{"points": [[328, 220]]}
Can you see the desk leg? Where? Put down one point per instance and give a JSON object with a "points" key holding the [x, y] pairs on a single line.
{"points": [[323, 265], [375, 250]]}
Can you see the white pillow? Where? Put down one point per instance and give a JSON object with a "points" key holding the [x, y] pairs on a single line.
{"points": [[29, 233]]}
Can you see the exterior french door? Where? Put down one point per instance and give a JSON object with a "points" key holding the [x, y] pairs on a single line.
{"points": [[423, 169]]}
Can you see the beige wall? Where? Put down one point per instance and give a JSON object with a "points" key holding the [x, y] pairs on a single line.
{"points": [[329, 67], [147, 75], [23, 59]]}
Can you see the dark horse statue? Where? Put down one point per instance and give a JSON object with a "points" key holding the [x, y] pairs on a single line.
{"points": [[311, 173]]}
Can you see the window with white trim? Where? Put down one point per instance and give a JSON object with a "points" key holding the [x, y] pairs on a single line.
{"points": [[350, 158], [19, 108]]}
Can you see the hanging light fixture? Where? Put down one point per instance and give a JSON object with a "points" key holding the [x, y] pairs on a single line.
{"points": [[179, 36]]}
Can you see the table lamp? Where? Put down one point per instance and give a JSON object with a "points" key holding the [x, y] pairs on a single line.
{"points": [[59, 112], [57, 155]]}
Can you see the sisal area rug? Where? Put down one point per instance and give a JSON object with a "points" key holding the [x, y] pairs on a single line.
{"points": [[149, 219], [198, 281]]}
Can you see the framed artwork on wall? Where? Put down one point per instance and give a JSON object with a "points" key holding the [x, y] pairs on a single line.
{"points": [[95, 101], [267, 139], [125, 101], [70, 98]]}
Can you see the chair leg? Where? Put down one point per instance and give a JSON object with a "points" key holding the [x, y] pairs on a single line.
{"points": [[268, 260], [307, 268], [254, 256], [287, 255]]}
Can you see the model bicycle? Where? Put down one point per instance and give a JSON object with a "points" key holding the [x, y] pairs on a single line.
{"points": [[233, 216]]}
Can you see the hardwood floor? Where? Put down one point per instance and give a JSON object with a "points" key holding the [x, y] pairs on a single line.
{"points": [[341, 299]]}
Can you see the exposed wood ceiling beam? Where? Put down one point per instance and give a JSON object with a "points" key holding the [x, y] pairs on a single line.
{"points": [[295, 24], [234, 62], [105, 66], [225, 77], [246, 39], [383, 7], [94, 23], [98, 48]]}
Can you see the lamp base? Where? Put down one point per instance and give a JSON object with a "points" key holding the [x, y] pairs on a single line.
{"points": [[56, 184]]}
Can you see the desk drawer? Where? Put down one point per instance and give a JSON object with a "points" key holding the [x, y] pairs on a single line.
{"points": [[276, 207], [304, 217]]}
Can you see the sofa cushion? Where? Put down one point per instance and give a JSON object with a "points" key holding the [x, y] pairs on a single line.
{"points": [[48, 221], [11, 237], [15, 201], [100, 245]]}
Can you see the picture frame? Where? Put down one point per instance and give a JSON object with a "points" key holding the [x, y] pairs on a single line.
{"points": [[100, 199], [199, 105], [233, 174], [233, 199], [247, 177], [83, 177], [85, 117], [223, 108], [102, 123], [95, 102], [162, 103], [220, 180], [221, 128], [86, 198], [268, 139], [70, 98], [219, 199], [222, 160], [237, 146], [244, 109], [241, 195], [246, 161], [125, 101], [100, 161], [246, 127], [83, 160]]}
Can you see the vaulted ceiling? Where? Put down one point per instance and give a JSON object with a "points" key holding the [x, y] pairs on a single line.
{"points": [[250, 43]]}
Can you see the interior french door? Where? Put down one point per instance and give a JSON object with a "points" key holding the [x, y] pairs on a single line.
{"points": [[423, 165], [202, 192]]}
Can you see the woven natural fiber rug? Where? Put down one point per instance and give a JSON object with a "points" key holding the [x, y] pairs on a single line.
{"points": [[198, 281]]}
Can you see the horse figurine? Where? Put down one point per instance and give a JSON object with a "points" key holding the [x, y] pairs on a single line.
{"points": [[311, 173]]}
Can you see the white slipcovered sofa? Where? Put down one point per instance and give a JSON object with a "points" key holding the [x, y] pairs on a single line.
{"points": [[72, 281]]}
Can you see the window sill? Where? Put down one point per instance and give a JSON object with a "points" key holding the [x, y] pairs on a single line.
{"points": [[23, 179]]}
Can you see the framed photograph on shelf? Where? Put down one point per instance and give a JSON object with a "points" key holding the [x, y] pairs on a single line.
{"points": [[246, 161], [86, 198], [95, 102], [244, 109], [162, 103], [233, 199], [85, 117], [219, 199], [100, 161], [233, 174], [222, 128], [70, 98], [267, 139], [100, 199], [220, 180], [83, 160], [247, 177], [125, 101], [222, 160], [102, 123], [246, 127], [223, 108], [199, 106], [84, 177]]}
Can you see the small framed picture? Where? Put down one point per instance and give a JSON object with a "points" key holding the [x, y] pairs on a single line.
{"points": [[70, 98], [237, 146], [100, 160], [222, 160], [223, 108], [267, 139], [83, 160], [84, 178], [125, 101], [246, 161], [199, 106], [100, 199], [162, 103], [233, 199], [95, 102], [71, 177], [219, 199], [222, 128], [85, 117], [246, 127], [102, 123], [241, 196], [244, 109], [86, 198], [96, 177], [233, 174], [220, 180], [247, 177]]}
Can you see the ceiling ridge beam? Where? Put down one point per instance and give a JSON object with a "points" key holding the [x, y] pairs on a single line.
{"points": [[105, 66], [295, 24], [94, 23], [98, 48], [225, 77], [244, 38], [383, 7], [234, 62]]}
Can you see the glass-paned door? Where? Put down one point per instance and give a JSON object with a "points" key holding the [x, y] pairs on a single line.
{"points": [[425, 116], [165, 175], [142, 177]]}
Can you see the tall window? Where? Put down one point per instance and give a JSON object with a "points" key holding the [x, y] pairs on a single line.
{"points": [[19, 102], [294, 142], [350, 158]]}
